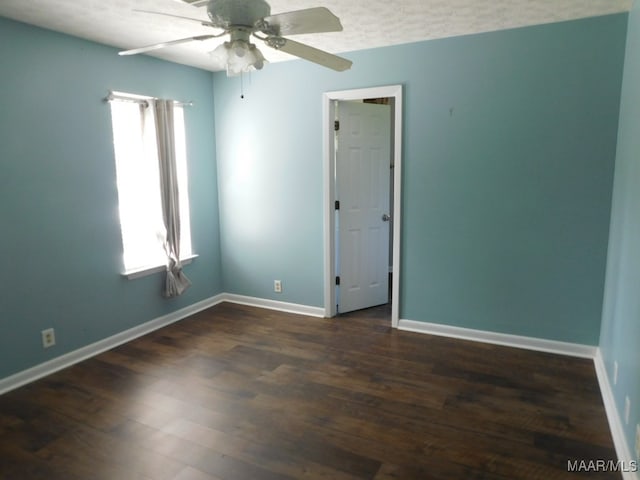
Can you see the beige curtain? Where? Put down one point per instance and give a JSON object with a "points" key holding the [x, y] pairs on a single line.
{"points": [[176, 281]]}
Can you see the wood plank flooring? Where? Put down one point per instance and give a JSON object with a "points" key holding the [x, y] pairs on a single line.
{"points": [[238, 393]]}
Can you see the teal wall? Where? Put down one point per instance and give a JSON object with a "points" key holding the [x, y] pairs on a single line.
{"points": [[509, 147], [60, 238], [621, 313]]}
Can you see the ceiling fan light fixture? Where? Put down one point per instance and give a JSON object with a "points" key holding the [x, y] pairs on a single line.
{"points": [[240, 48], [258, 58], [238, 57], [240, 19]]}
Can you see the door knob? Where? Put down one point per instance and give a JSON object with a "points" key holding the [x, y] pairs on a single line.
{"points": [[386, 218]]}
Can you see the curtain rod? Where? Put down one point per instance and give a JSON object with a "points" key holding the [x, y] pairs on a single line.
{"points": [[123, 97]]}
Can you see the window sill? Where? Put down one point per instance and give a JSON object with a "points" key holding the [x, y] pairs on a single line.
{"points": [[145, 271]]}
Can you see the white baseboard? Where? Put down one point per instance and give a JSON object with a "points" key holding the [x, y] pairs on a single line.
{"points": [[517, 341], [623, 451], [27, 376], [563, 348], [32, 374], [274, 305]]}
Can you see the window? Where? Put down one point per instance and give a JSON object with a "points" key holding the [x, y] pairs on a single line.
{"points": [[138, 178]]}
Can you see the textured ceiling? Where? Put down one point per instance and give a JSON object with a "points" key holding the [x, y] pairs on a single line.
{"points": [[367, 23]]}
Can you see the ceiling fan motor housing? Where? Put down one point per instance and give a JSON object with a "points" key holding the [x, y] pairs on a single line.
{"points": [[228, 13]]}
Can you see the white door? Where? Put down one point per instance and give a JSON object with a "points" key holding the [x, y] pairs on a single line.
{"points": [[362, 190]]}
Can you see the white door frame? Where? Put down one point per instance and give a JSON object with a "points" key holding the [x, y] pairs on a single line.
{"points": [[392, 91]]}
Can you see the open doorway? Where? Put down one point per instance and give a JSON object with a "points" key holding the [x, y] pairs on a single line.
{"points": [[330, 103]]}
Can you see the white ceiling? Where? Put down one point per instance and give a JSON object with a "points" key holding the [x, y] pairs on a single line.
{"points": [[367, 23]]}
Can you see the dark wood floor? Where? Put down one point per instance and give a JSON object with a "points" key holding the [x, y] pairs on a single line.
{"points": [[242, 393]]}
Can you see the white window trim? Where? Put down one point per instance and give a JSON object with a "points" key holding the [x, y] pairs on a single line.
{"points": [[146, 271]]}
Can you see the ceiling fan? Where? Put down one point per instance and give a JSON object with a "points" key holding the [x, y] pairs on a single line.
{"points": [[241, 19]]}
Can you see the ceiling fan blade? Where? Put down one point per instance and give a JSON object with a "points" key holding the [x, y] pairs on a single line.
{"points": [[312, 54], [165, 44], [310, 20], [206, 23]]}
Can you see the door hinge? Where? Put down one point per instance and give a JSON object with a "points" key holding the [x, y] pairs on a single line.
{"points": [[337, 205], [336, 125], [338, 280]]}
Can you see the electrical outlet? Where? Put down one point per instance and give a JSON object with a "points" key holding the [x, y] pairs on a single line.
{"points": [[627, 409], [638, 441], [615, 373], [277, 286], [48, 338]]}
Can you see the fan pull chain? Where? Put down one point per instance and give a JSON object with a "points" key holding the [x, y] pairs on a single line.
{"points": [[242, 85]]}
